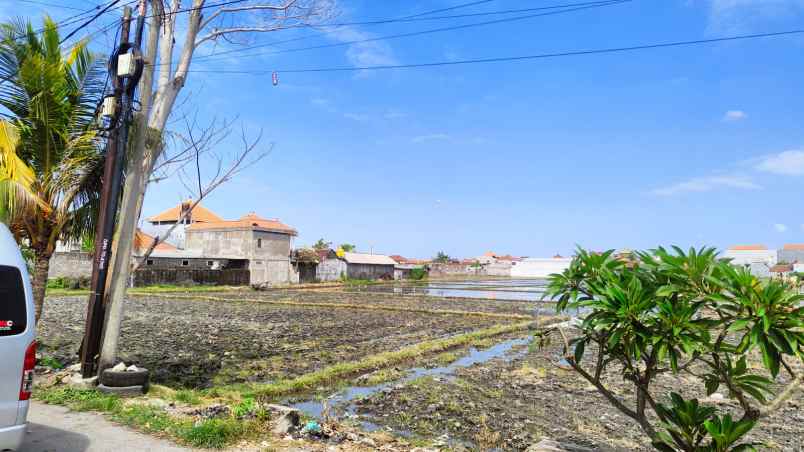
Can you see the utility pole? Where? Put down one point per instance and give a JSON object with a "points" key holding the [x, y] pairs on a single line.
{"points": [[125, 67]]}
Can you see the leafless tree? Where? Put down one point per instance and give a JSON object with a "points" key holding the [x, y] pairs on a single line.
{"points": [[190, 155], [168, 56]]}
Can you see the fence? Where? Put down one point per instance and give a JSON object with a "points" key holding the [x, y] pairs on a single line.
{"points": [[227, 277]]}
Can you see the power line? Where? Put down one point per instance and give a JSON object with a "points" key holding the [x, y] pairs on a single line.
{"points": [[53, 5], [520, 57], [415, 18], [75, 18], [92, 19], [404, 35], [443, 29], [451, 8], [461, 16]]}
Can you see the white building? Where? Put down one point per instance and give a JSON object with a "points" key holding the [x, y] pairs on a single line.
{"points": [[751, 254], [162, 223], [539, 267], [758, 258]]}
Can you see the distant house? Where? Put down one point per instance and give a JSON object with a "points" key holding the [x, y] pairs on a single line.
{"points": [[781, 270], [265, 245], [757, 258], [161, 223], [540, 267], [792, 253], [355, 266]]}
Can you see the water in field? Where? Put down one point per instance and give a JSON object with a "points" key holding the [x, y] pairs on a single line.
{"points": [[492, 289]]}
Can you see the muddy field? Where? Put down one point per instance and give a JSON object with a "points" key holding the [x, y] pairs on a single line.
{"points": [[512, 402], [345, 296], [198, 343]]}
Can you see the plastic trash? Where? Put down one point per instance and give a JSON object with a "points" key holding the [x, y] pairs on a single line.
{"points": [[312, 427]]}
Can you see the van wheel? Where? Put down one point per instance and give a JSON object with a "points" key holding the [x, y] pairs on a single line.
{"points": [[124, 379]]}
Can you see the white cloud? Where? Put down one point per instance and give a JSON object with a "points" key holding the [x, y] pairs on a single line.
{"points": [[356, 117], [709, 183], [787, 162], [740, 15], [780, 227], [372, 53], [734, 115], [393, 114], [430, 137]]}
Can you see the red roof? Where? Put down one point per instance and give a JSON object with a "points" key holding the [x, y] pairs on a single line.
{"points": [[781, 268], [748, 248], [794, 246], [249, 221], [199, 213], [143, 241], [404, 260]]}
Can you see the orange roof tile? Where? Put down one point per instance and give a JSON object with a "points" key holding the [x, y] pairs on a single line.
{"points": [[748, 248], [249, 221], [143, 241], [794, 246], [781, 268], [199, 214]]}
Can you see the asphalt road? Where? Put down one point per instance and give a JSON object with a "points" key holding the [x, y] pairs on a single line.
{"points": [[56, 429]]}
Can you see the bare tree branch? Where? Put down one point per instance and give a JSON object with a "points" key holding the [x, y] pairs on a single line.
{"points": [[200, 145]]}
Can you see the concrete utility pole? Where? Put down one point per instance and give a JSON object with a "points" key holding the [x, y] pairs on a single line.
{"points": [[124, 81], [95, 314]]}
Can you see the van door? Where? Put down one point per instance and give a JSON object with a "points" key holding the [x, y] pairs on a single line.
{"points": [[13, 323]]}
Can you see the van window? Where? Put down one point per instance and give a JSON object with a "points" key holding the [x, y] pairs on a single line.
{"points": [[13, 312]]}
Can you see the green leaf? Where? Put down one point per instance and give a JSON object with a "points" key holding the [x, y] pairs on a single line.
{"points": [[711, 385], [579, 349], [738, 325]]}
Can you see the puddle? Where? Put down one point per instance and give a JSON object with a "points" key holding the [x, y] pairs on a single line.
{"points": [[342, 402]]}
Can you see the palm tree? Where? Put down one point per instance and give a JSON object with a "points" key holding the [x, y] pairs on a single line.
{"points": [[50, 163]]}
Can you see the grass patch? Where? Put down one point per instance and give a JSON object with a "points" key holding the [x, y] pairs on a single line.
{"points": [[49, 361], [211, 433], [188, 397], [149, 290]]}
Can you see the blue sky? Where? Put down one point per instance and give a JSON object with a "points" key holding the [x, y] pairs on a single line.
{"points": [[695, 145]]}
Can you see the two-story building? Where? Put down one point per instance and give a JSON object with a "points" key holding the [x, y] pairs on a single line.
{"points": [[265, 244]]}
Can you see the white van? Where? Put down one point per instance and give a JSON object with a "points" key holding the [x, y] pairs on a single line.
{"points": [[17, 346]]}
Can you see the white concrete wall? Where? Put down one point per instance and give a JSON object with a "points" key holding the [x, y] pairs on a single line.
{"points": [[748, 257], [539, 267]]}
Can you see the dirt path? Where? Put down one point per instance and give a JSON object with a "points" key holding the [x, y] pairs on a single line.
{"points": [[57, 429]]}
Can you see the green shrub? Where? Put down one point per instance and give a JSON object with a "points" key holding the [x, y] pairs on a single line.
{"points": [[665, 311], [418, 274]]}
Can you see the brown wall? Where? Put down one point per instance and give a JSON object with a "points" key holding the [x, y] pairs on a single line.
{"points": [[231, 277]]}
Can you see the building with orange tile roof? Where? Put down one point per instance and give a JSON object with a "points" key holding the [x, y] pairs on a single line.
{"points": [[265, 244], [173, 222], [792, 253]]}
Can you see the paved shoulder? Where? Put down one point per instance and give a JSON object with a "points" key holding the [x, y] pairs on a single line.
{"points": [[56, 429]]}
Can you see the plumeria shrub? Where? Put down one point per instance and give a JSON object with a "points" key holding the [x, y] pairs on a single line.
{"points": [[670, 311]]}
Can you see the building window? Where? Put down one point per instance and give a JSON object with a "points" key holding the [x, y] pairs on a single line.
{"points": [[149, 262], [185, 263], [259, 243], [210, 263]]}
